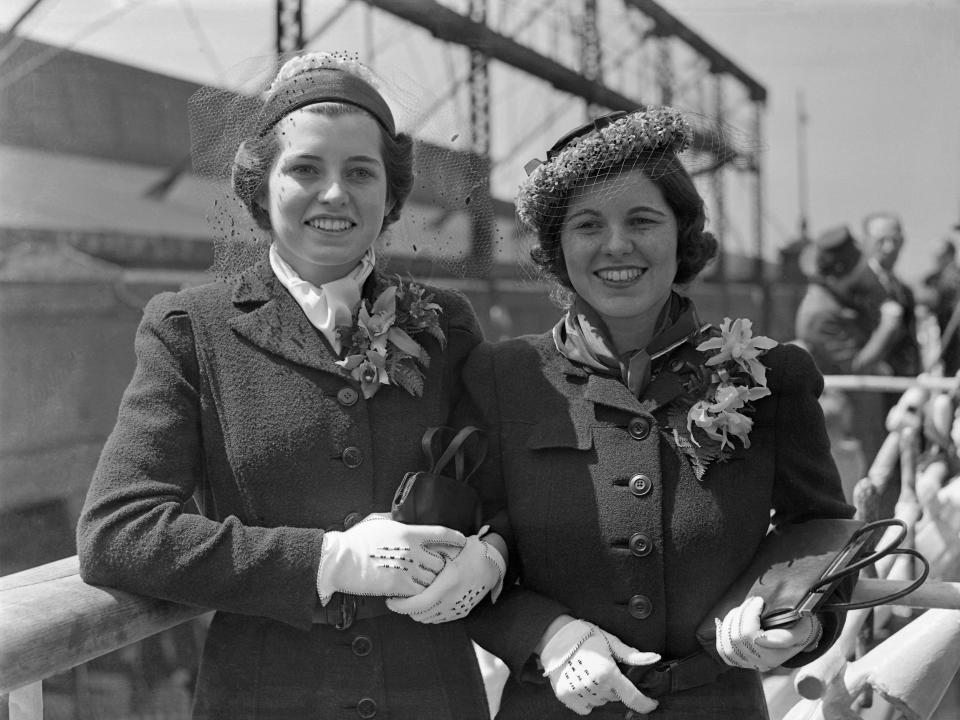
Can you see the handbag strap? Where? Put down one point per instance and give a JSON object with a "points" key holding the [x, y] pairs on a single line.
{"points": [[454, 450]]}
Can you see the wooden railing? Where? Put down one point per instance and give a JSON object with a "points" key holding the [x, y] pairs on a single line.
{"points": [[51, 621]]}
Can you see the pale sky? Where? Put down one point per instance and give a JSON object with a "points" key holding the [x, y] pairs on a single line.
{"points": [[881, 81]]}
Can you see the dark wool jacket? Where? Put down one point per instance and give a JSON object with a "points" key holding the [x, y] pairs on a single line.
{"points": [[611, 524], [236, 402]]}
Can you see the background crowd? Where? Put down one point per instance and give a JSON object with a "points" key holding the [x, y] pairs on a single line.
{"points": [[859, 317]]}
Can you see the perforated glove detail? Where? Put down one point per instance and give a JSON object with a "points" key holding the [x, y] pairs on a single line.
{"points": [[379, 556], [742, 643], [464, 581], [581, 662]]}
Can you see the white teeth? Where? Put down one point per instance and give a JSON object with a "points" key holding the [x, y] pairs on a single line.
{"points": [[621, 275], [330, 225]]}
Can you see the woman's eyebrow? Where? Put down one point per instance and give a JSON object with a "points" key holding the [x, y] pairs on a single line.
{"points": [[365, 158], [648, 209], [353, 158], [582, 211]]}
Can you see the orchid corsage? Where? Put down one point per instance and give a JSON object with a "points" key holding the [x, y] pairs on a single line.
{"points": [[380, 347], [736, 379]]}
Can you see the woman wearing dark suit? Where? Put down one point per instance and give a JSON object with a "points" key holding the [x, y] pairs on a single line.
{"points": [[288, 402], [644, 453]]}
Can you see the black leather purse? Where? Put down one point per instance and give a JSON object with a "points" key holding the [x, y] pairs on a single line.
{"points": [[430, 497]]}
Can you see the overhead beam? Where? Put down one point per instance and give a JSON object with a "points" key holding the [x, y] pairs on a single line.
{"points": [[667, 24], [446, 24]]}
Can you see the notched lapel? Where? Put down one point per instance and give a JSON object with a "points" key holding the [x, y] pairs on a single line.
{"points": [[610, 391], [271, 319]]}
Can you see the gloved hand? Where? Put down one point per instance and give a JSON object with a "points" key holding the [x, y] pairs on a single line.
{"points": [[379, 556], [464, 581], [581, 662], [742, 643]]}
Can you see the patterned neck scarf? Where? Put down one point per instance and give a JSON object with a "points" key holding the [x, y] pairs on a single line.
{"points": [[582, 337], [330, 304]]}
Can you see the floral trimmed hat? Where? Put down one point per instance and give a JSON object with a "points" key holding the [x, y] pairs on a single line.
{"points": [[601, 144]]}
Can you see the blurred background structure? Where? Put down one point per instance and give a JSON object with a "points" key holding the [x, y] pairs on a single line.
{"points": [[99, 209]]}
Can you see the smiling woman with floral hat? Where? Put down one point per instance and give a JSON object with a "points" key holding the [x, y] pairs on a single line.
{"points": [[289, 400], [644, 453]]}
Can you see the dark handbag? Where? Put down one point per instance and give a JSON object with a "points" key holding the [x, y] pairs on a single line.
{"points": [[807, 568], [432, 498]]}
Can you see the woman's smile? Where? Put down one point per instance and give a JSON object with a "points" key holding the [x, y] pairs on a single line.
{"points": [[328, 224], [620, 276]]}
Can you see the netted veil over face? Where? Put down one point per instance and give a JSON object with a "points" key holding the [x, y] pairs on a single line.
{"points": [[228, 125], [668, 146]]}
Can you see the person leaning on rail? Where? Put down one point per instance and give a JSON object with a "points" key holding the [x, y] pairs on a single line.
{"points": [[290, 400]]}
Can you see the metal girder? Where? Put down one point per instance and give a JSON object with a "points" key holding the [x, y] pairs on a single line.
{"points": [[446, 24], [481, 209], [667, 24], [591, 55], [289, 26]]}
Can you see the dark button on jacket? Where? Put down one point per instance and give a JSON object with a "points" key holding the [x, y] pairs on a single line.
{"points": [[640, 485], [366, 708], [639, 428], [347, 396], [352, 457], [640, 607], [361, 645], [641, 545]]}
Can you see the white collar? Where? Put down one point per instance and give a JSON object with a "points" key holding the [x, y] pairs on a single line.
{"points": [[331, 304]]}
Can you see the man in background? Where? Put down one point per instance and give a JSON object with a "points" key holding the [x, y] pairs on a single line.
{"points": [[883, 239], [941, 290], [839, 322]]}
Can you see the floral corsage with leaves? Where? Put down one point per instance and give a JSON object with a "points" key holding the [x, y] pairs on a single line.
{"points": [[706, 421], [381, 346]]}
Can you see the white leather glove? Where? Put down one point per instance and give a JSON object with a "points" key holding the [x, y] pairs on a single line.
{"points": [[742, 643], [379, 556], [464, 581], [581, 662]]}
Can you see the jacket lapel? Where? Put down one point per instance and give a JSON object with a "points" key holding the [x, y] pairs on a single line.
{"points": [[569, 423], [610, 391], [675, 362], [271, 319]]}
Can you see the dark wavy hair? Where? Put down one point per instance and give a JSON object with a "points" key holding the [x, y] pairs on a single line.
{"points": [[251, 165], [695, 246]]}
